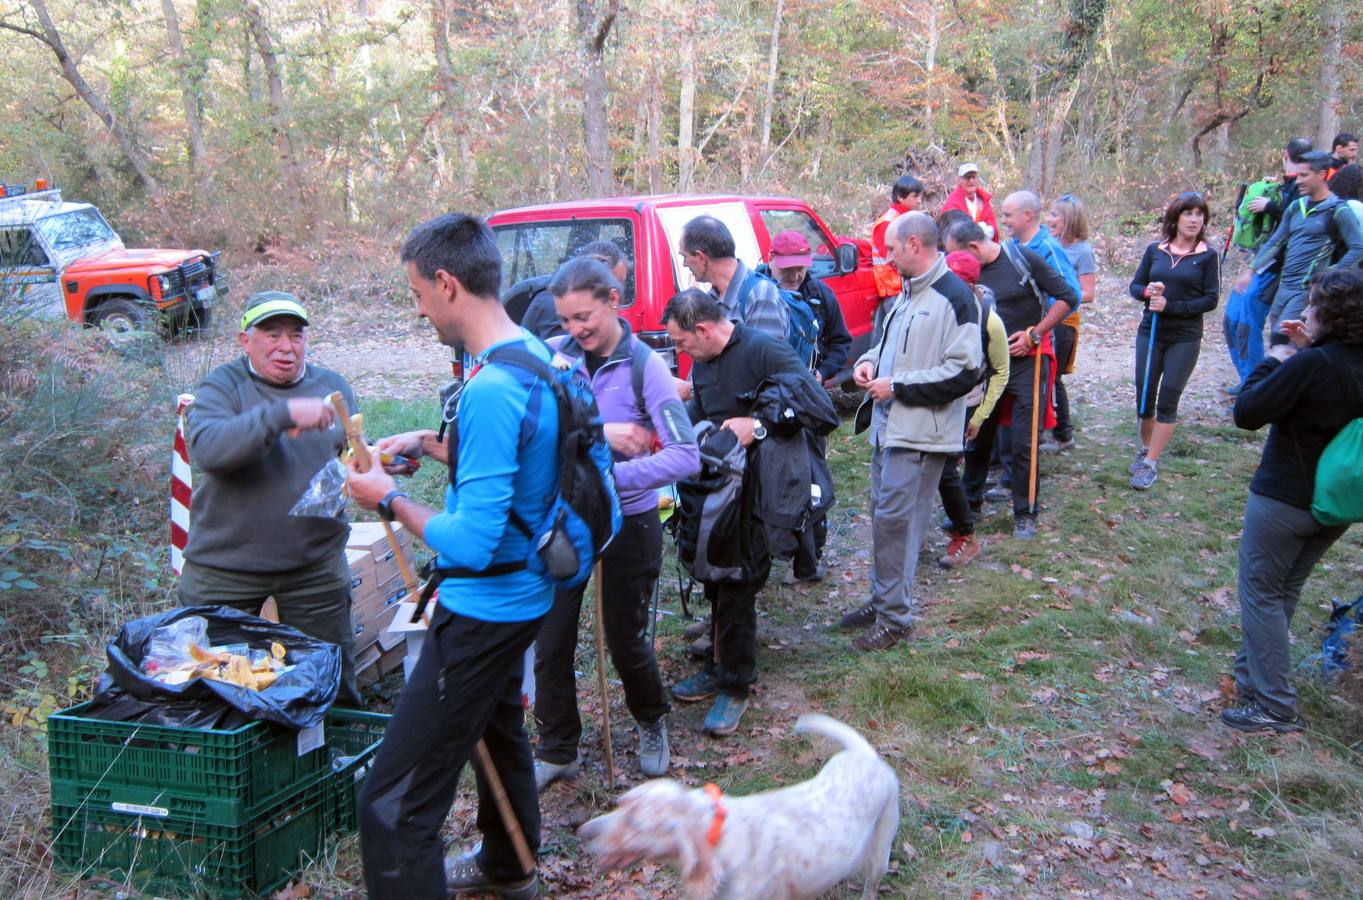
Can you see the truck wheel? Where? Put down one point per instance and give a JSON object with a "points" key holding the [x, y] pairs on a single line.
{"points": [[121, 320]]}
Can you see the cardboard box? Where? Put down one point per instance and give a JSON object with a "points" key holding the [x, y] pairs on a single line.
{"points": [[370, 536], [391, 660], [361, 564], [367, 669], [367, 632]]}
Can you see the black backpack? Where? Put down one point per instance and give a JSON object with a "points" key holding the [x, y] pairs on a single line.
{"points": [[517, 300], [584, 515]]}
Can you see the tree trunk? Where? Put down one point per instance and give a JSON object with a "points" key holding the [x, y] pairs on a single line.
{"points": [[445, 98], [279, 122], [769, 99], [1328, 119], [930, 64], [71, 72], [825, 127], [187, 94], [686, 111], [595, 24], [655, 129], [745, 150]]}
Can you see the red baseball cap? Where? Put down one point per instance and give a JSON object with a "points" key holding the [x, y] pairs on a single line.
{"points": [[790, 248], [965, 265]]}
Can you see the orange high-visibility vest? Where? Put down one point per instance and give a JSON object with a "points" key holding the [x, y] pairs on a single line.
{"points": [[888, 282]]}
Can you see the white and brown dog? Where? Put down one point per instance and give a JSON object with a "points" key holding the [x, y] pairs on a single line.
{"points": [[791, 843]]}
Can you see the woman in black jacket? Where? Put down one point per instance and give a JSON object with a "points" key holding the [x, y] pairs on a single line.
{"points": [[1306, 395], [1177, 282]]}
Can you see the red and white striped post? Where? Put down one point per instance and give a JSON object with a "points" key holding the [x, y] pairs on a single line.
{"points": [[181, 487]]}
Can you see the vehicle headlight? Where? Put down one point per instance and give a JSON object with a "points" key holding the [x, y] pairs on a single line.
{"points": [[167, 284]]}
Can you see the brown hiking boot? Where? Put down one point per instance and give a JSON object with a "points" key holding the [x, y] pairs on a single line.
{"points": [[697, 628], [961, 550], [880, 637], [860, 617]]}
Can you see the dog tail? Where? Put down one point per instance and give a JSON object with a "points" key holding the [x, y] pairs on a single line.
{"points": [[831, 728]]}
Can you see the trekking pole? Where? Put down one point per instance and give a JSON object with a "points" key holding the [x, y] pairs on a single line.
{"points": [[1149, 360], [360, 448], [1036, 430], [601, 679]]}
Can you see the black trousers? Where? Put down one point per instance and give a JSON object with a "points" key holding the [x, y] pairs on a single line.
{"points": [[466, 686], [952, 490], [1065, 337], [977, 457], [733, 626], [629, 568]]}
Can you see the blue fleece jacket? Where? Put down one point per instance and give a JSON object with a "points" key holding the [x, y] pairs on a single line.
{"points": [[498, 473]]}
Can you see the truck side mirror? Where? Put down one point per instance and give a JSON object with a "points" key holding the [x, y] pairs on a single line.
{"points": [[847, 258]]}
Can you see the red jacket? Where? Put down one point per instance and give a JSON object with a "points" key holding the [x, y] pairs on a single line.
{"points": [[985, 216]]}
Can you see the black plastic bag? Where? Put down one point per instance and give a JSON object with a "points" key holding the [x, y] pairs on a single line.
{"points": [[113, 704], [299, 698]]}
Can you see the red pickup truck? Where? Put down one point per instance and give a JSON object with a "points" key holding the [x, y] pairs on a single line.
{"points": [[535, 240]]}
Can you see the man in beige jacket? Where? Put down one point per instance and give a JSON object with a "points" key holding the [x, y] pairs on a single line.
{"points": [[916, 380]]}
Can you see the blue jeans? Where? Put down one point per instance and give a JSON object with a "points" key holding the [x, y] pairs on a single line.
{"points": [[1244, 322]]}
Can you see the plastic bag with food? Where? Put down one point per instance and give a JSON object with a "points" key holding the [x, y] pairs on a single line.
{"points": [[264, 669]]}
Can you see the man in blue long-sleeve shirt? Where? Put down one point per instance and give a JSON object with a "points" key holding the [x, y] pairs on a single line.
{"points": [[1318, 231], [466, 685]]}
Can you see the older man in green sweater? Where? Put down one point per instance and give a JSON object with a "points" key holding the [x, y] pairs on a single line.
{"points": [[260, 428]]}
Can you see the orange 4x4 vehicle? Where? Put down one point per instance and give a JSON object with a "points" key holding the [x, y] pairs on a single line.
{"points": [[59, 258]]}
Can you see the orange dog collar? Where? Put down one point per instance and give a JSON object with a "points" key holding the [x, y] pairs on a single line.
{"points": [[717, 823]]}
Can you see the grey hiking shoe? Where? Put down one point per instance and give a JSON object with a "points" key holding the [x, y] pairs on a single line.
{"points": [[1136, 463], [546, 773], [1144, 477], [1024, 526], [702, 647], [463, 876], [654, 754], [1253, 717]]}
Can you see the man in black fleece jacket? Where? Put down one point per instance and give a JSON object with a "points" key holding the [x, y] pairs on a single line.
{"points": [[260, 428], [1028, 325]]}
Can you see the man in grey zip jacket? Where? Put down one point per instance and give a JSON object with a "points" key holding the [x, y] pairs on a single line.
{"points": [[1315, 227], [916, 381]]}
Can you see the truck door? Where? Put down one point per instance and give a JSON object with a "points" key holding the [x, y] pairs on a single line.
{"points": [[28, 275], [855, 290]]}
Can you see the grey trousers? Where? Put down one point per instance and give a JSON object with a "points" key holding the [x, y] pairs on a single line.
{"points": [[903, 489], [1279, 546]]}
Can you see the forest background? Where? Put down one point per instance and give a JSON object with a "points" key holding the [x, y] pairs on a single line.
{"points": [[258, 124]]}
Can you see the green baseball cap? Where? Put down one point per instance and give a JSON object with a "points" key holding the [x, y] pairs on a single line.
{"points": [[268, 304]]}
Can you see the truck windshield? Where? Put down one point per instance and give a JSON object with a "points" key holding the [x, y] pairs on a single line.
{"points": [[77, 228], [531, 249]]}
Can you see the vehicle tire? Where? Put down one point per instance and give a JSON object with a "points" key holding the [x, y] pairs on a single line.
{"points": [[121, 319]]}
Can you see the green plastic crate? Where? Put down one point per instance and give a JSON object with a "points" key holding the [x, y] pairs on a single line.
{"points": [[354, 738], [245, 766], [182, 856]]}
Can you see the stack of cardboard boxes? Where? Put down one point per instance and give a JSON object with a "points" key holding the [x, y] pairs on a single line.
{"points": [[376, 589]]}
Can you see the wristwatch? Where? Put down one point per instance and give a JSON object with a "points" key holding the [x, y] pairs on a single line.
{"points": [[1034, 337], [385, 506], [759, 430]]}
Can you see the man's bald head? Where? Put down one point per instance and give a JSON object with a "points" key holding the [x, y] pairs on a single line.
{"points": [[1021, 214], [911, 241], [915, 223]]}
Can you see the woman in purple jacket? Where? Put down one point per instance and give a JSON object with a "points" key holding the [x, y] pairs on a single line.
{"points": [[650, 435]]}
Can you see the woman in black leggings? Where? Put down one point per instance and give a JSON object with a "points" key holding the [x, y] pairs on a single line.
{"points": [[1177, 282]]}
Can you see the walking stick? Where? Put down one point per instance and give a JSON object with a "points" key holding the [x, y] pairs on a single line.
{"points": [[601, 679], [1149, 360], [1036, 430], [360, 448]]}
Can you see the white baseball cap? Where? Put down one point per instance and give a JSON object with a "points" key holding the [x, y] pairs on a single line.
{"points": [[967, 169]]}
